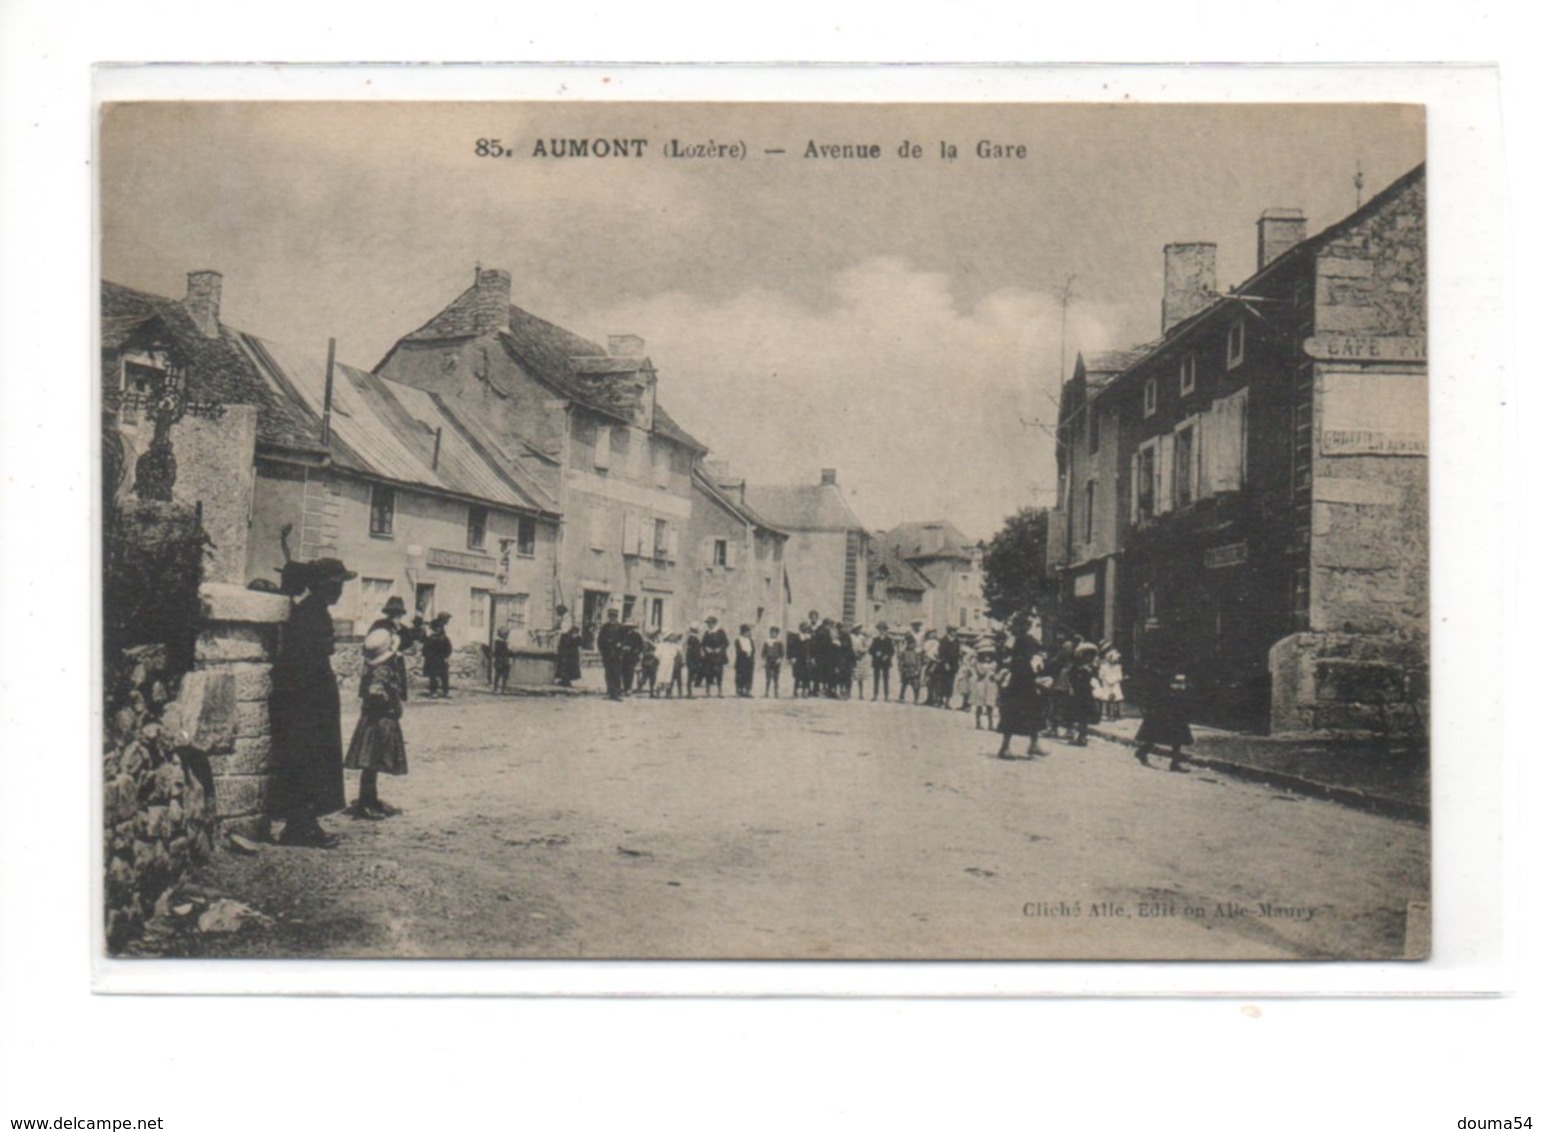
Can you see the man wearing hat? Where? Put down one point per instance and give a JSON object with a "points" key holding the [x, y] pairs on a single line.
{"points": [[436, 656], [715, 657], [609, 642], [882, 651], [306, 710]]}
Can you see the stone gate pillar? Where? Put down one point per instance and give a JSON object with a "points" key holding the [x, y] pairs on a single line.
{"points": [[222, 709]]}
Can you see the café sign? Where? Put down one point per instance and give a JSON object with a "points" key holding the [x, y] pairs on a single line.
{"points": [[1365, 348], [460, 560]]}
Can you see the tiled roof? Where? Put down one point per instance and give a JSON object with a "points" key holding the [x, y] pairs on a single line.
{"points": [[882, 555], [933, 539], [218, 368], [800, 507], [385, 429], [743, 510], [574, 366]]}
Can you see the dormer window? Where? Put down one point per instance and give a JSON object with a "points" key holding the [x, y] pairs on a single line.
{"points": [[1235, 334], [141, 377], [1149, 397], [1186, 375]]}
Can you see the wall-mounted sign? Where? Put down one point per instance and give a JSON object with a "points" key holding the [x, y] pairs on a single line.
{"points": [[460, 560], [1084, 585], [1233, 554], [1373, 414], [1364, 348], [1372, 442]]}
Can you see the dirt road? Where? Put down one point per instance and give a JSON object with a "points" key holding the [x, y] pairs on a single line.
{"points": [[536, 827]]}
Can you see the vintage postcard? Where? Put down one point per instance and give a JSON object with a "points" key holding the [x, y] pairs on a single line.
{"points": [[764, 531]]}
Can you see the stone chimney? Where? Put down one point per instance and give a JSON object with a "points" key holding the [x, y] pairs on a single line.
{"points": [[1280, 230], [624, 346], [1189, 281], [490, 302], [827, 477], [203, 301]]}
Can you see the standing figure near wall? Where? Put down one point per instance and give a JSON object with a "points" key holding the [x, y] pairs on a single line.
{"points": [[307, 711], [715, 657], [570, 641]]}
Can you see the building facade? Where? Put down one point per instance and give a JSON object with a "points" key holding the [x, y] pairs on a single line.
{"points": [[951, 563], [826, 553], [1246, 498], [899, 594], [740, 576], [586, 421]]}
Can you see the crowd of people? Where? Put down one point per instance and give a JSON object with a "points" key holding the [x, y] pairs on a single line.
{"points": [[1011, 681]]}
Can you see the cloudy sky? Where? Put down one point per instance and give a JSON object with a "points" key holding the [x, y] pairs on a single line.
{"points": [[896, 319]]}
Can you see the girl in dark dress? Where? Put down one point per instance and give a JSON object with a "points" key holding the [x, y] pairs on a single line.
{"points": [[307, 712], [377, 745], [1020, 706], [1166, 723]]}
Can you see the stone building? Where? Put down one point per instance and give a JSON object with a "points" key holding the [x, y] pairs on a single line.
{"points": [[1246, 498], [951, 562], [740, 576], [392, 480], [586, 422], [827, 547], [898, 593]]}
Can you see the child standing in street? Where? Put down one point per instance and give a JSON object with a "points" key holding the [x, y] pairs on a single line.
{"points": [[771, 661], [1080, 680], [1111, 682], [648, 665], [436, 656], [377, 746], [501, 659], [910, 670], [667, 655], [983, 695]]}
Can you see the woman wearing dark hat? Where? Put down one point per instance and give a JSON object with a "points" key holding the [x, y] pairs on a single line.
{"points": [[307, 712], [1020, 706]]}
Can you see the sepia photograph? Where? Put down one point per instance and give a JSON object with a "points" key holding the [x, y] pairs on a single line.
{"points": [[763, 531]]}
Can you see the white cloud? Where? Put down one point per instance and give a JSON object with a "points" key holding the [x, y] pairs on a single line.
{"points": [[925, 407]]}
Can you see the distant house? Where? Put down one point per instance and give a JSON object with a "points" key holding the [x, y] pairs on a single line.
{"points": [[587, 422], [740, 576], [898, 593], [827, 547], [952, 563]]}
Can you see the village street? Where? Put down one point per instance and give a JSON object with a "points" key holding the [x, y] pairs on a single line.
{"points": [[575, 827]]}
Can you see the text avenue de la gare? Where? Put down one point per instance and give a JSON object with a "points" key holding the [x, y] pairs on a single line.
{"points": [[712, 149]]}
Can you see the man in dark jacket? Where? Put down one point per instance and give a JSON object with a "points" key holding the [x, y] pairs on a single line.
{"points": [[948, 667], [631, 651], [715, 657], [609, 642], [882, 650]]}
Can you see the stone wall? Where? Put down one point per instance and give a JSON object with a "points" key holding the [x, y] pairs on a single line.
{"points": [[221, 713], [1350, 684], [157, 803]]}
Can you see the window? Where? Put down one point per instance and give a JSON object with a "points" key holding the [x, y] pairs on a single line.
{"points": [[597, 523], [1235, 343], [1184, 465], [1089, 493], [1149, 397], [656, 614], [629, 606], [423, 599], [1186, 375], [512, 606], [480, 599], [720, 552], [373, 593], [661, 538], [476, 527], [525, 536], [138, 380], [382, 510], [602, 447], [631, 534], [1092, 430], [1145, 492]]}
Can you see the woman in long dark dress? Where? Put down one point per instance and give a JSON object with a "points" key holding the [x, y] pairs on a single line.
{"points": [[570, 640], [1020, 706], [307, 712]]}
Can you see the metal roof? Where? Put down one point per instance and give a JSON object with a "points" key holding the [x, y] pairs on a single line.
{"points": [[386, 429]]}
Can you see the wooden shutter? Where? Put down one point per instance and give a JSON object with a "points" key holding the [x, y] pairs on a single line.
{"points": [[731, 556], [672, 542], [1162, 475], [597, 528], [603, 446], [1135, 486]]}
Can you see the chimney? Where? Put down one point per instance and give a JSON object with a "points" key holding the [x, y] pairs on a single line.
{"points": [[1280, 230], [827, 477], [1189, 281], [203, 301], [490, 302], [624, 346]]}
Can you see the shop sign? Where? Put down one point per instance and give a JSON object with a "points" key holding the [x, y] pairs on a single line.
{"points": [[460, 560], [1233, 554], [1365, 348], [1084, 585]]}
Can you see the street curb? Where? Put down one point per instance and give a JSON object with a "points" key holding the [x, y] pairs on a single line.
{"points": [[1343, 795]]}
